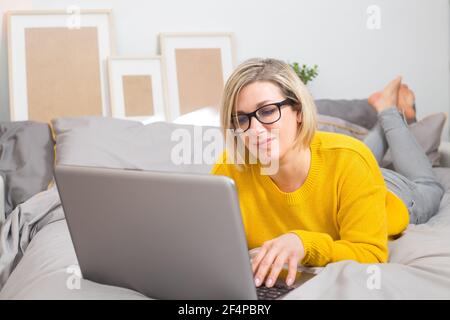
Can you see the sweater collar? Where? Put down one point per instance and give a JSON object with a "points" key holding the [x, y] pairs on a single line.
{"points": [[302, 193]]}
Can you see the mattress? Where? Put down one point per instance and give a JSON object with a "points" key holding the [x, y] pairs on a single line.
{"points": [[418, 268]]}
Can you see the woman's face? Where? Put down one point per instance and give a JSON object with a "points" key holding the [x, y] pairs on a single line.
{"points": [[274, 139]]}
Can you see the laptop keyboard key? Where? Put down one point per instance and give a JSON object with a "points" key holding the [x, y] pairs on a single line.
{"points": [[272, 293]]}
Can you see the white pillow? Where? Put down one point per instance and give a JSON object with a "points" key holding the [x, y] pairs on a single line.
{"points": [[207, 116]]}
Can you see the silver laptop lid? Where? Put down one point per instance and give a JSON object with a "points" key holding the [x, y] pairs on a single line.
{"points": [[167, 235]]}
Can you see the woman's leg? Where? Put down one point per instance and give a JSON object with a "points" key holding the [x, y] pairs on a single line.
{"points": [[376, 141], [418, 187], [414, 180], [408, 157]]}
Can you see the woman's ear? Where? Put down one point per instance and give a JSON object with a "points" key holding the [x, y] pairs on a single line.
{"points": [[299, 116]]}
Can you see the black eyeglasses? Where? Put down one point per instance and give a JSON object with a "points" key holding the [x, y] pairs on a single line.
{"points": [[267, 114]]}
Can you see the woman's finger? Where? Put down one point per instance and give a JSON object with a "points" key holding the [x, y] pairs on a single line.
{"points": [[265, 265], [292, 269], [276, 268], [259, 256], [252, 253]]}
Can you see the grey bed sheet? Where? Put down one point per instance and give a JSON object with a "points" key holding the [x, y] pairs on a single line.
{"points": [[38, 261]]}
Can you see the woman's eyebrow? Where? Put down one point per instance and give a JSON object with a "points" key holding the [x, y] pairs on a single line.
{"points": [[262, 103]]}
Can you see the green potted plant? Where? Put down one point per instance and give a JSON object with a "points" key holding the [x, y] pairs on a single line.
{"points": [[305, 73]]}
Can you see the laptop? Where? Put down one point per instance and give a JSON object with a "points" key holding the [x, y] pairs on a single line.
{"points": [[167, 235]]}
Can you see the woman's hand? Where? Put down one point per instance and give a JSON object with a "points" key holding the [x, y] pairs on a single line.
{"points": [[272, 256]]}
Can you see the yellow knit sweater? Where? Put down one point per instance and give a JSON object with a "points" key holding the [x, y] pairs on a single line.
{"points": [[343, 211]]}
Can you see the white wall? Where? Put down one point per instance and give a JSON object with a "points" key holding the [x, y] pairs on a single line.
{"points": [[353, 60]]}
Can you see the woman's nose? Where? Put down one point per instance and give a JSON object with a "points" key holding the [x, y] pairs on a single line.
{"points": [[256, 126]]}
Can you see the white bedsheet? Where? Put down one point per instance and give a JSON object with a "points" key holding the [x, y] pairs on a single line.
{"points": [[418, 268]]}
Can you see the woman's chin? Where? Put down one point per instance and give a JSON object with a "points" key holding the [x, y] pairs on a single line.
{"points": [[268, 156]]}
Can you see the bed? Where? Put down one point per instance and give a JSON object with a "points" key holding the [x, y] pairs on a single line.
{"points": [[38, 259], [418, 268]]}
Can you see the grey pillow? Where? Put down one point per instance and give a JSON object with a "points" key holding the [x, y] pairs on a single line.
{"points": [[333, 124], [118, 143], [27, 157], [356, 111]]}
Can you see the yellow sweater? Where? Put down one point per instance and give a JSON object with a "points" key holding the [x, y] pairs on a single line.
{"points": [[343, 211]]}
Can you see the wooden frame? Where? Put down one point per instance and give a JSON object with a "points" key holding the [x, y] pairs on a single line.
{"points": [[40, 88], [137, 88], [197, 66]]}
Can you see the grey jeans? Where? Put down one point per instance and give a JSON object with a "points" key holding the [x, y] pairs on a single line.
{"points": [[413, 180]]}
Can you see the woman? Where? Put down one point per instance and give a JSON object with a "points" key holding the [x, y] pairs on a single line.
{"points": [[328, 200]]}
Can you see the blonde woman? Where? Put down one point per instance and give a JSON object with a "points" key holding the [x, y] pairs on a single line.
{"points": [[328, 200]]}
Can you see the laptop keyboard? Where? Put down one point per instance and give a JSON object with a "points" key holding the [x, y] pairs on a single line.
{"points": [[278, 290]]}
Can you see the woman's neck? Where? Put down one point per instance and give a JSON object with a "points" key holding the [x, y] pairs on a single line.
{"points": [[293, 169]]}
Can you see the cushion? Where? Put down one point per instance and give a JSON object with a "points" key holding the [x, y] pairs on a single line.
{"points": [[356, 111], [333, 124], [443, 176], [27, 157], [119, 143]]}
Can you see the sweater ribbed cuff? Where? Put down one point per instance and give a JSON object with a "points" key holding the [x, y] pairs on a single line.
{"points": [[317, 247]]}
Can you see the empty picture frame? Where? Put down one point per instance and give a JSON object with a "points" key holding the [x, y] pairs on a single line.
{"points": [[197, 66], [137, 89], [57, 63]]}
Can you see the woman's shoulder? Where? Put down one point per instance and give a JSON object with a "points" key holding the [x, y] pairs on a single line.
{"points": [[341, 145], [220, 163], [226, 165], [335, 140], [349, 156]]}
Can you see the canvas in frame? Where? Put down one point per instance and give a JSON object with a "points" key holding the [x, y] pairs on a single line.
{"points": [[58, 67], [137, 89], [197, 66]]}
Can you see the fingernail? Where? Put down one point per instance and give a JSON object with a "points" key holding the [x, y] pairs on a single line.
{"points": [[257, 281], [290, 281], [269, 282]]}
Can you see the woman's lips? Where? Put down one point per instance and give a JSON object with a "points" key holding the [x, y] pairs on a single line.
{"points": [[264, 143]]}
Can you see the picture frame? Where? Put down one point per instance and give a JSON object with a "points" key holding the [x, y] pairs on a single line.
{"points": [[137, 88], [197, 66], [57, 63]]}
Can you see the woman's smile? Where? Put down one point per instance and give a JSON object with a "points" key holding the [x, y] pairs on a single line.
{"points": [[265, 143]]}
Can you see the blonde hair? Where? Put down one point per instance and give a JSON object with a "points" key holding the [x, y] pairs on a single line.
{"points": [[283, 76]]}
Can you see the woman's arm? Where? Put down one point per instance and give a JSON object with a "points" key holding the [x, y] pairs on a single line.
{"points": [[361, 218]]}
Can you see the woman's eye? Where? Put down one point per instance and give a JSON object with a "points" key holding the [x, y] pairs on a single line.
{"points": [[242, 119], [267, 112]]}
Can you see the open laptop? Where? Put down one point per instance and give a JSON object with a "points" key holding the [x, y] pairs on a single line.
{"points": [[166, 235]]}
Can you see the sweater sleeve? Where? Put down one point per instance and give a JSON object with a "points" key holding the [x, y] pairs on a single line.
{"points": [[361, 219]]}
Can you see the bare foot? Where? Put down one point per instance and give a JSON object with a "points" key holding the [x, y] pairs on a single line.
{"points": [[406, 99], [374, 97], [388, 97]]}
